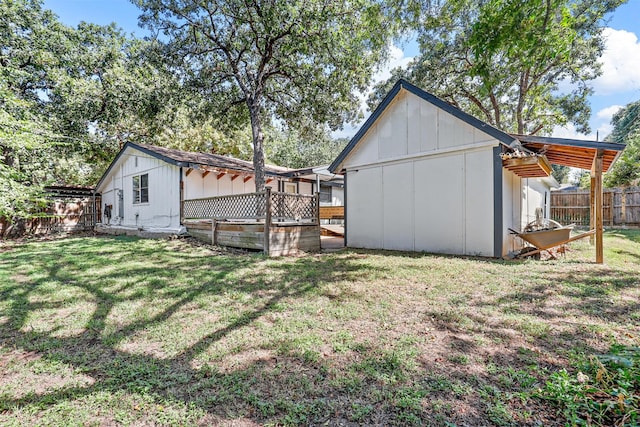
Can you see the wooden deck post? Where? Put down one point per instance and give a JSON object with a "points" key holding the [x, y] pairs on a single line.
{"points": [[597, 172], [214, 223], [592, 208], [267, 219]]}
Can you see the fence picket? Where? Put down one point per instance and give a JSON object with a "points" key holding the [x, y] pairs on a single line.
{"points": [[621, 207]]}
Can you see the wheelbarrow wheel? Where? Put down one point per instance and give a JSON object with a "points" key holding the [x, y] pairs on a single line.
{"points": [[523, 253]]}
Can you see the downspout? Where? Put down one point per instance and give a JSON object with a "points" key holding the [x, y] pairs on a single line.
{"points": [[181, 187], [498, 209], [344, 192]]}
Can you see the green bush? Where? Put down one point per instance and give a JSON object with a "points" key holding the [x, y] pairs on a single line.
{"points": [[607, 393]]}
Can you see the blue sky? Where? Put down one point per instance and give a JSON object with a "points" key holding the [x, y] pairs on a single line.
{"points": [[619, 84]]}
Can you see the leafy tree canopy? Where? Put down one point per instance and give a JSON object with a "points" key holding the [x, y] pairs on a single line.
{"points": [[277, 60], [503, 60], [303, 146], [626, 130], [68, 98]]}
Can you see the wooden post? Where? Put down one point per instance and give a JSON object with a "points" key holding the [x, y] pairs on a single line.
{"points": [[214, 223], [317, 204], [597, 168], [267, 219], [592, 208], [623, 207]]}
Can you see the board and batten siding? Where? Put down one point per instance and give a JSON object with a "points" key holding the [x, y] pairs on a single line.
{"points": [[535, 195], [511, 210], [198, 186], [521, 197], [163, 209], [421, 179]]}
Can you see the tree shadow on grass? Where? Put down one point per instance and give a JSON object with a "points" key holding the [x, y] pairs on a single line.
{"points": [[373, 383], [88, 270]]}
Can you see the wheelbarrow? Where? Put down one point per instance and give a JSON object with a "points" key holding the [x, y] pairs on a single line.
{"points": [[545, 237]]}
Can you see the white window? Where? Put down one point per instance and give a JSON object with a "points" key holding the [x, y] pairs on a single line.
{"points": [[141, 188], [290, 187]]}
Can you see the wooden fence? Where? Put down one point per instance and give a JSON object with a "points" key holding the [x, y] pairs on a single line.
{"points": [[62, 215], [331, 212], [621, 207], [276, 223]]}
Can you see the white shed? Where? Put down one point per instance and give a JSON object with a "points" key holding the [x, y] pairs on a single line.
{"points": [[422, 175]]}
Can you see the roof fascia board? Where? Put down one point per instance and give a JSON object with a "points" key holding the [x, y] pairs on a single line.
{"points": [[158, 155], [570, 142], [139, 148], [333, 167], [501, 136]]}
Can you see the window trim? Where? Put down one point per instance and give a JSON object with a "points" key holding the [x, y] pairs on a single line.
{"points": [[138, 192], [293, 185], [329, 192]]}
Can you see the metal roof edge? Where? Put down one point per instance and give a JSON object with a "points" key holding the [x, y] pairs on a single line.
{"points": [[333, 167], [501, 136], [570, 142]]}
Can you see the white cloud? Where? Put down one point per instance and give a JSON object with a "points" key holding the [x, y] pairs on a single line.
{"points": [[607, 113], [602, 130], [620, 63], [396, 59], [569, 131], [602, 126]]}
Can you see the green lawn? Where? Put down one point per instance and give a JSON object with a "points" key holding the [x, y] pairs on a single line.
{"points": [[104, 331]]}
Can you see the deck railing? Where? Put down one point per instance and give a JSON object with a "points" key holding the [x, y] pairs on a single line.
{"points": [[275, 206]]}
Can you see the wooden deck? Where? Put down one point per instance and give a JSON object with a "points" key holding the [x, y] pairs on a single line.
{"points": [[332, 230], [284, 238], [274, 222]]}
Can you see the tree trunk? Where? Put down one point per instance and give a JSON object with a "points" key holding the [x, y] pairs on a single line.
{"points": [[258, 147]]}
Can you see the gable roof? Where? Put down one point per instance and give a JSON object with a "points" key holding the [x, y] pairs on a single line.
{"points": [[501, 136], [561, 151], [194, 160]]}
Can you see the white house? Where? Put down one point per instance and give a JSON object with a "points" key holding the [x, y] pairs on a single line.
{"points": [[331, 185], [142, 190], [422, 175]]}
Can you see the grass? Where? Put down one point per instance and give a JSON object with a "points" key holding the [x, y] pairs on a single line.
{"points": [[103, 330]]}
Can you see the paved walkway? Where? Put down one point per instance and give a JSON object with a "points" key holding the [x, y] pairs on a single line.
{"points": [[331, 244]]}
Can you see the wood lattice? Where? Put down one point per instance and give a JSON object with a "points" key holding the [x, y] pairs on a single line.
{"points": [[292, 207], [284, 207], [237, 206]]}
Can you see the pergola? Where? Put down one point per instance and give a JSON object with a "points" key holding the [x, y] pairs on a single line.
{"points": [[535, 154]]}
